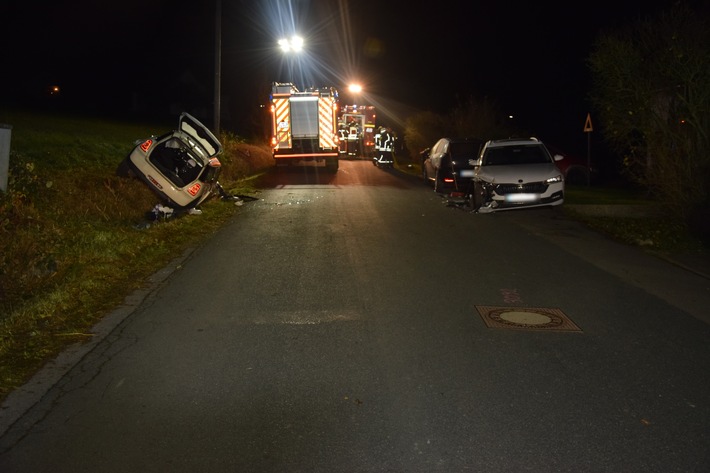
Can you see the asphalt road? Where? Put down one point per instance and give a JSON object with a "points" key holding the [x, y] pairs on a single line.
{"points": [[356, 323]]}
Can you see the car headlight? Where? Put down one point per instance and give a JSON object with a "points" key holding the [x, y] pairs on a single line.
{"points": [[552, 180]]}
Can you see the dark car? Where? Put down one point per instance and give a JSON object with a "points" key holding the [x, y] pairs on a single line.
{"points": [[448, 165]]}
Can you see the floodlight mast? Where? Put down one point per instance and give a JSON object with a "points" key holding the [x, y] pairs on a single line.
{"points": [[292, 47]]}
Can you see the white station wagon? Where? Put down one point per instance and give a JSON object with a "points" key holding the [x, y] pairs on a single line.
{"points": [[516, 173]]}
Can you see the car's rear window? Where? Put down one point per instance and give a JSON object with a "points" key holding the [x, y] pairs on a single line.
{"points": [[464, 149], [516, 155]]}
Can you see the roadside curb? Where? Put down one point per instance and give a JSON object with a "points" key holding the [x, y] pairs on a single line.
{"points": [[23, 398], [614, 210]]}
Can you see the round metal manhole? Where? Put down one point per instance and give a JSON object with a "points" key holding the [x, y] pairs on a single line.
{"points": [[524, 318], [527, 318]]}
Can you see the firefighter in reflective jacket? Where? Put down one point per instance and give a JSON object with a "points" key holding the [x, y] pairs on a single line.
{"points": [[354, 139], [384, 144], [342, 139]]}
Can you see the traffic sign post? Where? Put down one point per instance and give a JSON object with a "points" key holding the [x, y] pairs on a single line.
{"points": [[588, 130]]}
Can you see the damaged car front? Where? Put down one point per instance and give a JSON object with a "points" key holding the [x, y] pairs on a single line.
{"points": [[516, 173]]}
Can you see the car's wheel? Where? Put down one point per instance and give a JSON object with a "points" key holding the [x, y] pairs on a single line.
{"points": [[475, 197], [438, 183], [124, 169], [331, 165]]}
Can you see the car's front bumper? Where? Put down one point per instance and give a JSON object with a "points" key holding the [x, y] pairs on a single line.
{"points": [[506, 197]]}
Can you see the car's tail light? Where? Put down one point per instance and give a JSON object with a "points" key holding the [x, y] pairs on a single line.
{"points": [[146, 145], [194, 189]]}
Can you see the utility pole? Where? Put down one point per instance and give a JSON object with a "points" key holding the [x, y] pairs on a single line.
{"points": [[217, 67]]}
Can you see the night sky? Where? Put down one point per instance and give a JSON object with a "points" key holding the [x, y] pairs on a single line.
{"points": [[150, 57]]}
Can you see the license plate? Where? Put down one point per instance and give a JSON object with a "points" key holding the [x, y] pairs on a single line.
{"points": [[466, 173], [522, 198]]}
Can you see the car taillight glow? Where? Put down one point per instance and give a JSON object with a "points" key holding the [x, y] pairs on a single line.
{"points": [[448, 179], [194, 189], [145, 145]]}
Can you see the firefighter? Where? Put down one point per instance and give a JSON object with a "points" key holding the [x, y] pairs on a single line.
{"points": [[342, 139], [384, 142], [353, 139], [378, 140]]}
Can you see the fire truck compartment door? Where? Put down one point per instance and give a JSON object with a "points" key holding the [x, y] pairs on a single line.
{"points": [[304, 117]]}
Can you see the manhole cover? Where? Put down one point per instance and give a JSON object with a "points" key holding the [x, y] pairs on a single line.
{"points": [[527, 318]]}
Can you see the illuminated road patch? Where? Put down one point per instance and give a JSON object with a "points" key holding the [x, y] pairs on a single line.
{"points": [[527, 318]]}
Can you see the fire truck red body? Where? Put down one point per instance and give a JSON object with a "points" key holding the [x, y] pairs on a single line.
{"points": [[304, 126]]}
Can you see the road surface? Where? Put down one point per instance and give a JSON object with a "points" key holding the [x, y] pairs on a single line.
{"points": [[356, 323]]}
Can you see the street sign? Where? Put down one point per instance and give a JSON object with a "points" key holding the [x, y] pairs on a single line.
{"points": [[588, 124]]}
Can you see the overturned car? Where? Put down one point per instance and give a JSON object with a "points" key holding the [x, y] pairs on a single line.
{"points": [[181, 166]]}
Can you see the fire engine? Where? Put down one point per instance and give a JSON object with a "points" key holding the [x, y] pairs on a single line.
{"points": [[364, 117], [304, 125]]}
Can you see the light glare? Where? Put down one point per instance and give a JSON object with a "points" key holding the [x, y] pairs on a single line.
{"points": [[294, 44]]}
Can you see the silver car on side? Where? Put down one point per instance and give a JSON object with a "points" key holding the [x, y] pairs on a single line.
{"points": [[181, 166], [516, 173]]}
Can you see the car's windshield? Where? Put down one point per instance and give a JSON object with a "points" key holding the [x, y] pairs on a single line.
{"points": [[523, 154]]}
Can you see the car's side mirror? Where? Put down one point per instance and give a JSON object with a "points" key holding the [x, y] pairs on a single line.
{"points": [[558, 157]]}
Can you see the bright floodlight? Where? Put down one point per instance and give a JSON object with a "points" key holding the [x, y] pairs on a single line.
{"points": [[355, 88], [297, 43], [294, 44]]}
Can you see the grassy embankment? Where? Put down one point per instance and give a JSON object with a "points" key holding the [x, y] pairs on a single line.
{"points": [[71, 245]]}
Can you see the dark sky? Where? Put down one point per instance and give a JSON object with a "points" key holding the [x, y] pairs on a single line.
{"points": [[159, 56]]}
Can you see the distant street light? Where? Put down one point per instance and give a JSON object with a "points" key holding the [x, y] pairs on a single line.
{"points": [[355, 88]]}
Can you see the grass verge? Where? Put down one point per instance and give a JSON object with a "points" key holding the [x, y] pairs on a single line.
{"points": [[69, 225]]}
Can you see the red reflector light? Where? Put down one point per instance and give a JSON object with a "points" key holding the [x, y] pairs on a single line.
{"points": [[448, 179], [145, 145], [193, 190]]}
